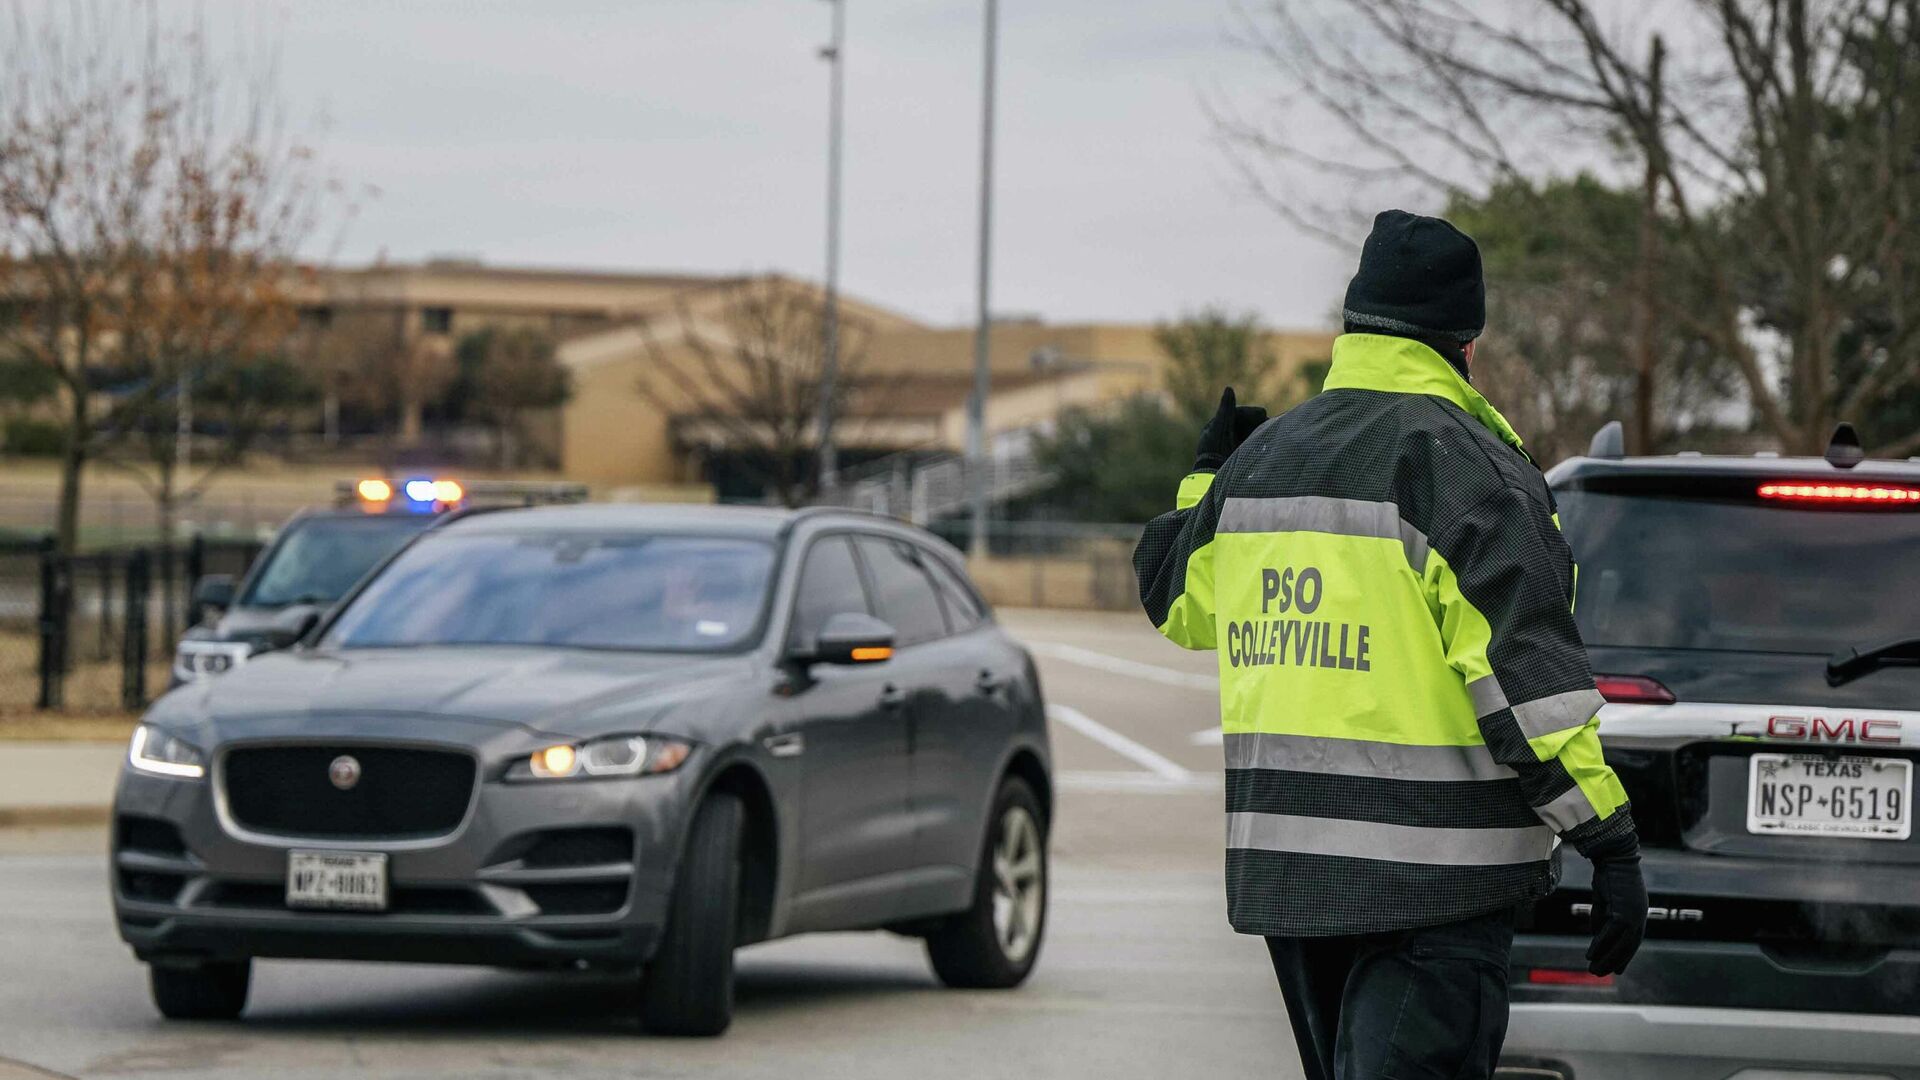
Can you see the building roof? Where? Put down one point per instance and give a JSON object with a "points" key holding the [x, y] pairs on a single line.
{"points": [[624, 295]]}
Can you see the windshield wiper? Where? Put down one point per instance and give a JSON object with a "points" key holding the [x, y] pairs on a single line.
{"points": [[1850, 663]]}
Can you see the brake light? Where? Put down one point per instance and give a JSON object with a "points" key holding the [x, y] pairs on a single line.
{"points": [[1566, 977], [1880, 494], [1632, 690]]}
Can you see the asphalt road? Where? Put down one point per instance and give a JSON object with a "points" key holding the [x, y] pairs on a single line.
{"points": [[1140, 976]]}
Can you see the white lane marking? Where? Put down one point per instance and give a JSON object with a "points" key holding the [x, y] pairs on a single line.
{"points": [[1129, 783], [1119, 744], [1212, 736], [1099, 661]]}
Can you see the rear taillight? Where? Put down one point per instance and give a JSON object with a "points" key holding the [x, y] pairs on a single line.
{"points": [[1632, 690], [1869, 494], [1566, 977]]}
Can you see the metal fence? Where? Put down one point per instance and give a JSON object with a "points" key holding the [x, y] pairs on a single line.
{"points": [[1052, 564], [94, 632]]}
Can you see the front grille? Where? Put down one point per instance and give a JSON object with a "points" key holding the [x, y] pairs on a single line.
{"points": [[401, 900], [400, 793]]}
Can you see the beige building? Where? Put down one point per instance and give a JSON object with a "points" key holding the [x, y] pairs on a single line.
{"points": [[620, 332]]}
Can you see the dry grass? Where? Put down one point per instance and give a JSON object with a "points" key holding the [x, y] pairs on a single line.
{"points": [[92, 691], [27, 725]]}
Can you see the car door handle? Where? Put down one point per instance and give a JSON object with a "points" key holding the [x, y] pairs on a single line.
{"points": [[791, 744], [892, 697], [987, 682]]}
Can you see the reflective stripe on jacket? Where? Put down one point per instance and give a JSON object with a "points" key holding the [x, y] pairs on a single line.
{"points": [[1407, 707]]}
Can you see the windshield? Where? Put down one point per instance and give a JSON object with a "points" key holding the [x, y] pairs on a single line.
{"points": [[1677, 573], [654, 593], [319, 559]]}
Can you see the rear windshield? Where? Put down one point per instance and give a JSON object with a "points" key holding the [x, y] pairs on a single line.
{"points": [[319, 559], [1658, 571], [652, 593]]}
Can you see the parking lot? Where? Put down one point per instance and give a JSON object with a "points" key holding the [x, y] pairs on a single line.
{"points": [[1140, 976]]}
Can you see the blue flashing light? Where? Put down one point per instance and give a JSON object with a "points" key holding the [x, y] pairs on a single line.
{"points": [[420, 491]]}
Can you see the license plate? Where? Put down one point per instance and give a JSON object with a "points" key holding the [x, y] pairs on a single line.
{"points": [[1867, 798], [337, 880]]}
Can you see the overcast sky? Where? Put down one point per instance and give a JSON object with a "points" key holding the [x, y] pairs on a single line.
{"points": [[690, 135]]}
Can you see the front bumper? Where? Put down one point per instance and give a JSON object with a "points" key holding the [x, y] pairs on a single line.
{"points": [[187, 888]]}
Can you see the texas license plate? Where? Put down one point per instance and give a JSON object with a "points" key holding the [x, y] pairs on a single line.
{"points": [[1868, 798], [337, 880]]}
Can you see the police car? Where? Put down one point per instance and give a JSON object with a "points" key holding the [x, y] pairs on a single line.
{"points": [[1754, 624], [320, 554]]}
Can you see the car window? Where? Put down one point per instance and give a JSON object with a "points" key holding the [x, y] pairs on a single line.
{"points": [[963, 607], [620, 591], [903, 594], [829, 586], [1696, 573], [319, 559]]}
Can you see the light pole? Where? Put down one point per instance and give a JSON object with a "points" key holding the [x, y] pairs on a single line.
{"points": [[977, 403], [830, 319]]}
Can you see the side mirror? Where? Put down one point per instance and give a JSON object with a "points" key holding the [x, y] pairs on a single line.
{"points": [[852, 638], [290, 626], [213, 592]]}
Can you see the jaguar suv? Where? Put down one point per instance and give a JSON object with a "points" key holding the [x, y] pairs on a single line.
{"points": [[1754, 623], [602, 737]]}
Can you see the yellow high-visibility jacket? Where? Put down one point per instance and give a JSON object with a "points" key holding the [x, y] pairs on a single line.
{"points": [[1407, 707]]}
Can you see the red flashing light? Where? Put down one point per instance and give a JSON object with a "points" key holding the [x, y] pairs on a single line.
{"points": [[1632, 690], [1565, 977], [1873, 494]]}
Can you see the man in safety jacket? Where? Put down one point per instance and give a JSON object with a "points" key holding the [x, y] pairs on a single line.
{"points": [[1407, 706]]}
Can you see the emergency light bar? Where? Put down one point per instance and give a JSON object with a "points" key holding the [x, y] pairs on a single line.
{"points": [[1872, 494], [433, 494]]}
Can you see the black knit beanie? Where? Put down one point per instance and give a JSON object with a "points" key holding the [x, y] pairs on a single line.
{"points": [[1419, 277]]}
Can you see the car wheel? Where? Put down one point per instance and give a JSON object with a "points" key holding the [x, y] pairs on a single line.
{"points": [[689, 986], [993, 945], [214, 991]]}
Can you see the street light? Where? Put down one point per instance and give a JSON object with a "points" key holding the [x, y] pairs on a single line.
{"points": [[977, 403], [830, 320]]}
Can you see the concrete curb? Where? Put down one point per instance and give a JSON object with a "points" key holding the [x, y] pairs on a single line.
{"points": [[32, 817]]}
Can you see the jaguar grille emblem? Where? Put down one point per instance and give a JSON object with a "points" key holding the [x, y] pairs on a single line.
{"points": [[344, 772]]}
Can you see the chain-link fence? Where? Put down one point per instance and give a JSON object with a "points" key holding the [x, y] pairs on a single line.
{"points": [[1052, 564], [95, 632]]}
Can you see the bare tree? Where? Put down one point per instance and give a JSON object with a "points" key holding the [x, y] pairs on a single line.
{"points": [[150, 208], [746, 364], [1779, 150]]}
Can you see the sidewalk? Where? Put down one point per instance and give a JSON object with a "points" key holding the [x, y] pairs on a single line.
{"points": [[57, 783]]}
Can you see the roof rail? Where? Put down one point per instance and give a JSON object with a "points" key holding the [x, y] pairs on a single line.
{"points": [[1609, 442]]}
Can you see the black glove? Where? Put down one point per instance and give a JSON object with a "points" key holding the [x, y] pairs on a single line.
{"points": [[1224, 433], [1619, 910]]}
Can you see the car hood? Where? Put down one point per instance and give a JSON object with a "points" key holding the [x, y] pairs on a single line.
{"points": [[562, 691]]}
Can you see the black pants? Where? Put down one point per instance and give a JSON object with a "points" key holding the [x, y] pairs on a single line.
{"points": [[1401, 1005]]}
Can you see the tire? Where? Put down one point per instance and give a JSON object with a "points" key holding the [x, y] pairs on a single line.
{"points": [[213, 991], [688, 988], [994, 944]]}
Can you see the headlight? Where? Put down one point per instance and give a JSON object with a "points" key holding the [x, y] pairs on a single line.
{"points": [[621, 755], [155, 751], [195, 658]]}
